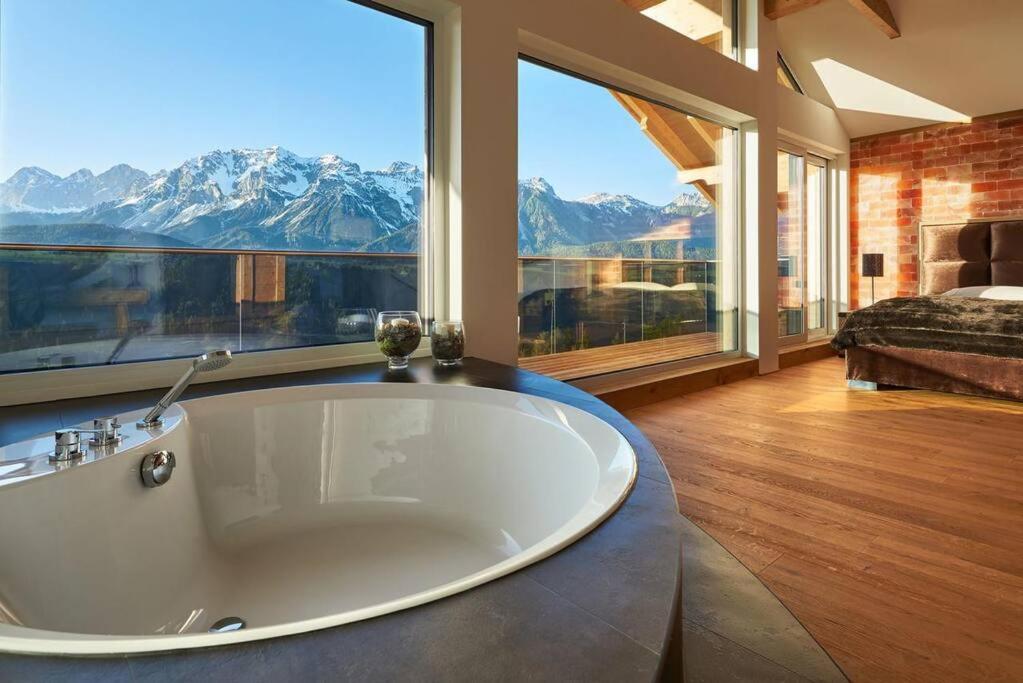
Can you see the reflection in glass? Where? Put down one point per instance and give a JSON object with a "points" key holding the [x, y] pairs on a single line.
{"points": [[790, 244]]}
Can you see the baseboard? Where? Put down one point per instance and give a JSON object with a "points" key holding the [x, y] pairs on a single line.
{"points": [[628, 393], [805, 353], [679, 383]]}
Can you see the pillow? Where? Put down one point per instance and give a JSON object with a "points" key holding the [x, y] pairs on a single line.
{"points": [[1002, 292]]}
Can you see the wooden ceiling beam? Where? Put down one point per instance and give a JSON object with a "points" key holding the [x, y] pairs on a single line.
{"points": [[776, 9], [879, 14], [711, 175], [684, 140], [640, 5]]}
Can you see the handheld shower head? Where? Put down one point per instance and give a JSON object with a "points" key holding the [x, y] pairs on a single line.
{"points": [[212, 360], [207, 362]]}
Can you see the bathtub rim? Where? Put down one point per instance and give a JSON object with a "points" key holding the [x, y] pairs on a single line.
{"points": [[21, 640]]}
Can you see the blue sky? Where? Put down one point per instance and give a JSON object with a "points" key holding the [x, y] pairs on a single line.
{"points": [[574, 134], [89, 84], [95, 83]]}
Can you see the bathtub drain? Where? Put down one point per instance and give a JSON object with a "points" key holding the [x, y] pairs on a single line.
{"points": [[228, 624]]}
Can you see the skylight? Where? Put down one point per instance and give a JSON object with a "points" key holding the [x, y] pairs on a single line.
{"points": [[857, 91]]}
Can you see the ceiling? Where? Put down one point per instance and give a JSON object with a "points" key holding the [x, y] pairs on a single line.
{"points": [[956, 59]]}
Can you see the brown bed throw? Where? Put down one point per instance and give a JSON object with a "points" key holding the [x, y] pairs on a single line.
{"points": [[987, 327]]}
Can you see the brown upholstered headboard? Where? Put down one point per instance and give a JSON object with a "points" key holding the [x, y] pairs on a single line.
{"points": [[970, 254]]}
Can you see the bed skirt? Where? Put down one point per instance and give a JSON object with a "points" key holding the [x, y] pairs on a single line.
{"points": [[959, 373]]}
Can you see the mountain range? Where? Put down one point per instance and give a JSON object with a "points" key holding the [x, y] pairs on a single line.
{"points": [[274, 199], [605, 224]]}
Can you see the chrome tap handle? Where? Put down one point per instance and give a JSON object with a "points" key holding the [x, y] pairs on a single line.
{"points": [[67, 445], [107, 431]]}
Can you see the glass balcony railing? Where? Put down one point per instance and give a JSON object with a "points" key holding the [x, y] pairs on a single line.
{"points": [[75, 306], [639, 312], [63, 306]]}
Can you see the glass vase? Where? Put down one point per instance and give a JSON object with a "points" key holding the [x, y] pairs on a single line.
{"points": [[398, 334]]}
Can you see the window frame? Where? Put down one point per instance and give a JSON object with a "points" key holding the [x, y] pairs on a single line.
{"points": [[32, 386], [787, 70]]}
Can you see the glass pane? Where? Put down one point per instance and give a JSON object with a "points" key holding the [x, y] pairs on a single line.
{"points": [[711, 22], [790, 244], [172, 190], [784, 76], [816, 245], [626, 229]]}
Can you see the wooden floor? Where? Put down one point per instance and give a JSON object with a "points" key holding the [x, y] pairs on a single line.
{"points": [[604, 359], [890, 523]]}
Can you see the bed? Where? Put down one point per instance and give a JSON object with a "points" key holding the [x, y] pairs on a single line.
{"points": [[963, 333]]}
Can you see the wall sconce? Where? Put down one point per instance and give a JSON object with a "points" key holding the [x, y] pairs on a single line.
{"points": [[873, 266]]}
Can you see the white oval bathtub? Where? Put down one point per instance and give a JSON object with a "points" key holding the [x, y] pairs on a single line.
{"points": [[297, 509]]}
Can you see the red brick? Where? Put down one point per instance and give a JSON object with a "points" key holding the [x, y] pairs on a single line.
{"points": [[945, 173]]}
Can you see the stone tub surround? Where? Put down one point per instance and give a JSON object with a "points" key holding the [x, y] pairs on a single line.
{"points": [[605, 608]]}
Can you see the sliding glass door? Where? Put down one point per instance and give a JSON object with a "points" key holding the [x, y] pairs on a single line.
{"points": [[803, 244]]}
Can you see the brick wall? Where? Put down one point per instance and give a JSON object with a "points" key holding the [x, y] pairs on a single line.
{"points": [[944, 173]]}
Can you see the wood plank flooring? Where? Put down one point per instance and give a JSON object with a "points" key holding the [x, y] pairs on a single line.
{"points": [[603, 359], [890, 523]]}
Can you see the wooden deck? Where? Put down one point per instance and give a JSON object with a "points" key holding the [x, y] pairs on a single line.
{"points": [[589, 362], [890, 523]]}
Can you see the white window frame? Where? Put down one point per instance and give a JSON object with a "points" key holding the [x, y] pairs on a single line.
{"points": [[434, 292]]}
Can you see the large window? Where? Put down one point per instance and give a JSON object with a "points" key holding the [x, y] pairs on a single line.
{"points": [[627, 246], [189, 175], [803, 243]]}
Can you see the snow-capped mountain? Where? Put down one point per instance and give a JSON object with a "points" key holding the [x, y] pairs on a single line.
{"points": [[274, 199], [549, 224], [33, 189], [265, 198]]}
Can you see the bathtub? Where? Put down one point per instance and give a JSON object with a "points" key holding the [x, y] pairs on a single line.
{"points": [[294, 509]]}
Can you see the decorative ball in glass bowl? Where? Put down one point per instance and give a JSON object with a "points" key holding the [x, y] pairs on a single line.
{"points": [[447, 340], [398, 334]]}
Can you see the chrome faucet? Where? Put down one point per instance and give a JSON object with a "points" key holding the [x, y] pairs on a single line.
{"points": [[67, 444], [213, 360]]}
